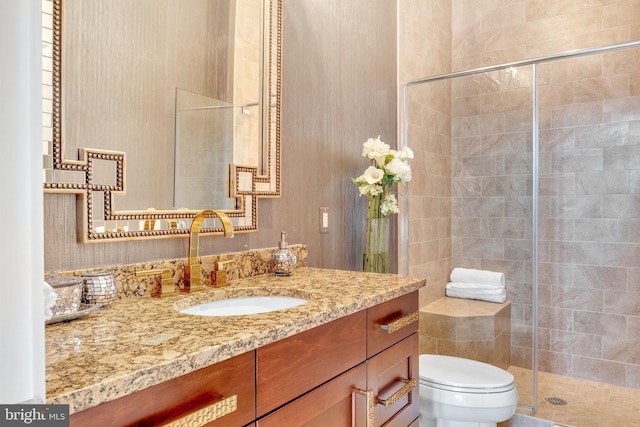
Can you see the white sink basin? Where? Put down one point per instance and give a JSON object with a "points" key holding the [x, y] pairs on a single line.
{"points": [[243, 306]]}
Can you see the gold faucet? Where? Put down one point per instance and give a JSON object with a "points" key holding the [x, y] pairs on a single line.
{"points": [[193, 271]]}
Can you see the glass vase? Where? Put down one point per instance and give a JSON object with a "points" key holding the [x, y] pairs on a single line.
{"points": [[376, 255]]}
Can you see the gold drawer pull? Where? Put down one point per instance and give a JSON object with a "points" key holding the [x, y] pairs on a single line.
{"points": [[371, 403], [406, 389], [219, 409], [400, 323]]}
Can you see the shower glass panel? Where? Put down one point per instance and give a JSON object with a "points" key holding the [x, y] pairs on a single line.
{"points": [[589, 233], [486, 120], [540, 164], [492, 201]]}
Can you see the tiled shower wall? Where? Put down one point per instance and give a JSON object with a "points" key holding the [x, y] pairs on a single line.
{"points": [[589, 246], [492, 32], [424, 45], [589, 207], [589, 271]]}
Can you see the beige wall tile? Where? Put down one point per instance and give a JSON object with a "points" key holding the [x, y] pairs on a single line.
{"points": [[633, 376], [599, 370], [610, 325], [556, 363], [556, 318], [605, 37], [602, 88], [574, 343], [600, 277], [621, 13], [475, 328], [539, 9]]}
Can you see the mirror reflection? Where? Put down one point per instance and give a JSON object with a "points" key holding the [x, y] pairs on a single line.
{"points": [[201, 122], [178, 88]]}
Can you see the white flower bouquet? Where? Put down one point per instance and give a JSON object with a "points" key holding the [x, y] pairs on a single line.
{"points": [[387, 167]]}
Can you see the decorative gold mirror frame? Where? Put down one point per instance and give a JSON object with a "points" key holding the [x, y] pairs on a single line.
{"points": [[246, 183]]}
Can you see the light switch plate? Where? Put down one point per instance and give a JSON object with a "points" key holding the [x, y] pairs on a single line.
{"points": [[324, 220]]}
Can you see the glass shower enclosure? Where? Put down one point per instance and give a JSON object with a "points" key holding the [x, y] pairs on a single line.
{"points": [[544, 174]]}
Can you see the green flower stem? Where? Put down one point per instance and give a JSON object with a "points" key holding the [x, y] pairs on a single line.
{"points": [[376, 256], [374, 206]]}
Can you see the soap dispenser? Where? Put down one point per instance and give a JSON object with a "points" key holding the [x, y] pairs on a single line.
{"points": [[283, 259]]}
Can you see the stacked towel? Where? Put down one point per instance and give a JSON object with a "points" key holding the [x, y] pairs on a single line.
{"points": [[477, 284], [469, 275]]}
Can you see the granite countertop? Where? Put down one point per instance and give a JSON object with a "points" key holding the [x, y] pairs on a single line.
{"points": [[137, 343]]}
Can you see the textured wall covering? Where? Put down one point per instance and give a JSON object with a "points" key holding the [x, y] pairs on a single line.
{"points": [[339, 88]]}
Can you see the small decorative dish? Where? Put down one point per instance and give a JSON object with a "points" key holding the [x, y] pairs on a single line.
{"points": [[83, 311]]}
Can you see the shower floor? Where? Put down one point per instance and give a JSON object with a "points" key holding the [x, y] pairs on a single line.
{"points": [[586, 403]]}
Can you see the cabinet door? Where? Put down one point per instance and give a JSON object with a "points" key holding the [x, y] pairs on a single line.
{"points": [[224, 391], [292, 366], [337, 403], [393, 376]]}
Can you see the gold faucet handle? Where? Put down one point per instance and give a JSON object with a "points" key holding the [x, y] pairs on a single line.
{"points": [[220, 274], [167, 288], [220, 264]]}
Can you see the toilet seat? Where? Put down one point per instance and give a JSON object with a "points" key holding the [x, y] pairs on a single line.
{"points": [[463, 375], [463, 392]]}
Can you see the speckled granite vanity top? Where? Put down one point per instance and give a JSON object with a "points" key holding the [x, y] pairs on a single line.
{"points": [[137, 343]]}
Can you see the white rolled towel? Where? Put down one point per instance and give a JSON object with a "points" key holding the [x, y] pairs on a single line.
{"points": [[485, 277], [476, 291]]}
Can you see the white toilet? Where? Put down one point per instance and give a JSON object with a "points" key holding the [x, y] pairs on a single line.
{"points": [[457, 392]]}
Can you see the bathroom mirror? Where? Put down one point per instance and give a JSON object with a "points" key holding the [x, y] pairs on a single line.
{"points": [[162, 108]]}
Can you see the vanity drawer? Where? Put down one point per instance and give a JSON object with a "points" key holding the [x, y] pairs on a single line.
{"points": [[393, 377], [390, 322], [288, 368], [336, 403], [227, 387]]}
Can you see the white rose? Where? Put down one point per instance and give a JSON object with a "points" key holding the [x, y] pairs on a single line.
{"points": [[375, 149], [399, 169]]}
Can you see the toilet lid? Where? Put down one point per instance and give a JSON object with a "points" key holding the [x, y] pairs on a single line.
{"points": [[457, 373]]}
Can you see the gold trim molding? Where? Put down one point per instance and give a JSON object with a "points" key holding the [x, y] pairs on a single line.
{"points": [[246, 184]]}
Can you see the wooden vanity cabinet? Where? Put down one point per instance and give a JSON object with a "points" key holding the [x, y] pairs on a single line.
{"points": [[221, 387], [337, 374], [377, 350]]}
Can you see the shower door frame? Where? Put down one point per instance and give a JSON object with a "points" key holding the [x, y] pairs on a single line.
{"points": [[403, 226]]}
